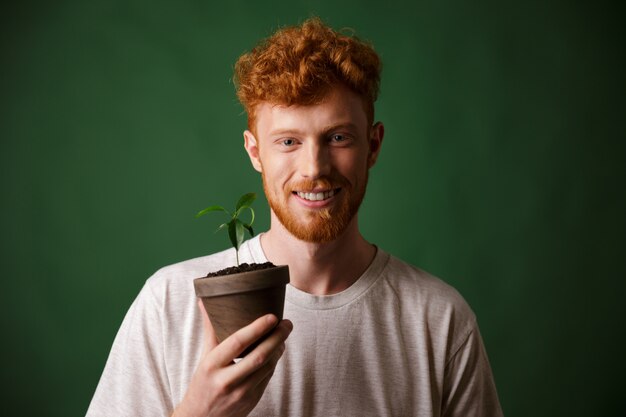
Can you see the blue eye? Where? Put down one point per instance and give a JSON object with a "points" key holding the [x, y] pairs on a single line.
{"points": [[288, 142]]}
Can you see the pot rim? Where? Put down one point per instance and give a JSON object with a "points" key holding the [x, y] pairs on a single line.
{"points": [[241, 282]]}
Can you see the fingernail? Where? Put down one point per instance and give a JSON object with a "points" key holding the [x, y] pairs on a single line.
{"points": [[289, 325]]}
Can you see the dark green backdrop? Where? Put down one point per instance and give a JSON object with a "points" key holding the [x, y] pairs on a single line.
{"points": [[502, 172]]}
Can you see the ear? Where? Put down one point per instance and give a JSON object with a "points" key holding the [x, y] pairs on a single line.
{"points": [[250, 143], [377, 132]]}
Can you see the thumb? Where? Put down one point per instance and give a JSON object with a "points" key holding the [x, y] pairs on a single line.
{"points": [[210, 340]]}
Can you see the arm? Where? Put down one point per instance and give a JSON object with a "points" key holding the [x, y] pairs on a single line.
{"points": [[469, 389], [134, 381], [222, 387]]}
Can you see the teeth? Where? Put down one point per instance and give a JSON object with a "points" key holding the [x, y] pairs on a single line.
{"points": [[316, 196]]}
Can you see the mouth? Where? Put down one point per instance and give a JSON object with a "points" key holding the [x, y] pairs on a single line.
{"points": [[317, 196]]}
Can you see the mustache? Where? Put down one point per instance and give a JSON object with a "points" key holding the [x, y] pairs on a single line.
{"points": [[316, 184]]}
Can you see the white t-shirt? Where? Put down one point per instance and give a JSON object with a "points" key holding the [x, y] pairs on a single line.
{"points": [[398, 342]]}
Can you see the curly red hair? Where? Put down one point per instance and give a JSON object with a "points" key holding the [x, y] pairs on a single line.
{"points": [[298, 66]]}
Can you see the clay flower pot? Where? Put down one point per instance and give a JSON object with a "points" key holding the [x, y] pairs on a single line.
{"points": [[236, 300]]}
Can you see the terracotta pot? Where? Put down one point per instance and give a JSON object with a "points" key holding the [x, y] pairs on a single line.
{"points": [[236, 300]]}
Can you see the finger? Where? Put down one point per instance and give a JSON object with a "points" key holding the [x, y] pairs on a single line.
{"points": [[263, 353], [209, 337], [233, 345], [262, 376], [258, 381], [262, 384]]}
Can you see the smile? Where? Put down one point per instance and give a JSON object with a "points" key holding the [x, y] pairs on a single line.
{"points": [[317, 196]]}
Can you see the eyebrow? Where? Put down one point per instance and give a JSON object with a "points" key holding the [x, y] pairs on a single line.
{"points": [[289, 131], [281, 132], [347, 126]]}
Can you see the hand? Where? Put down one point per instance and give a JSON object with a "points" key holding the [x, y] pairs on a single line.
{"points": [[220, 387]]}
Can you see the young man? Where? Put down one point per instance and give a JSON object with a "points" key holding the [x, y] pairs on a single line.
{"points": [[365, 333]]}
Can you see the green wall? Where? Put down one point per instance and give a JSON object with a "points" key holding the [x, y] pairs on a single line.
{"points": [[502, 172]]}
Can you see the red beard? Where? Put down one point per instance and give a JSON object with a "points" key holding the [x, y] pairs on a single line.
{"points": [[321, 225]]}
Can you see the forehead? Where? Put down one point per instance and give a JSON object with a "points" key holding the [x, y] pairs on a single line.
{"points": [[340, 106]]}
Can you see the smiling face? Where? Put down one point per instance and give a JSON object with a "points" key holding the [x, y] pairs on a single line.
{"points": [[314, 161]]}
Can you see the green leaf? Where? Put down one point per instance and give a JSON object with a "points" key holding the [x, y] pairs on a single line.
{"points": [[236, 228], [245, 201], [223, 225], [232, 233], [210, 209], [239, 230], [235, 232], [251, 212]]}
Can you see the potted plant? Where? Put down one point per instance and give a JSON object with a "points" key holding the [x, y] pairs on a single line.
{"points": [[236, 296]]}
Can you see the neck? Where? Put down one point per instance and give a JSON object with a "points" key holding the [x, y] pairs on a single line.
{"points": [[319, 268]]}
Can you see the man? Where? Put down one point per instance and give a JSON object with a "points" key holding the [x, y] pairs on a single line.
{"points": [[364, 334]]}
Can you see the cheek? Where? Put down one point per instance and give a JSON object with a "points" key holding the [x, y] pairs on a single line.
{"points": [[352, 165], [275, 170]]}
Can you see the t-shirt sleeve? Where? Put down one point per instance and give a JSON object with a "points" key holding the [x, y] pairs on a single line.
{"points": [[469, 389], [134, 381]]}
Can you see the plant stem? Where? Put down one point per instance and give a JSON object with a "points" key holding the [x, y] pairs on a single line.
{"points": [[237, 256]]}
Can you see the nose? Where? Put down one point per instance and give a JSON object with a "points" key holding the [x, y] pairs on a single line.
{"points": [[315, 161]]}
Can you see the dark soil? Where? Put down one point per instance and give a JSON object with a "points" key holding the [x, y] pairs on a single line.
{"points": [[244, 267]]}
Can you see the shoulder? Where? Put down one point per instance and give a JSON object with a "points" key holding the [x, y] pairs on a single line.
{"points": [[195, 267], [427, 297], [422, 285], [178, 278]]}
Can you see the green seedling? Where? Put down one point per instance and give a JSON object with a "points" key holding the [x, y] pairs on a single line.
{"points": [[235, 226]]}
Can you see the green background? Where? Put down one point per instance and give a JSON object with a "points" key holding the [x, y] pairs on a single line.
{"points": [[502, 172]]}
